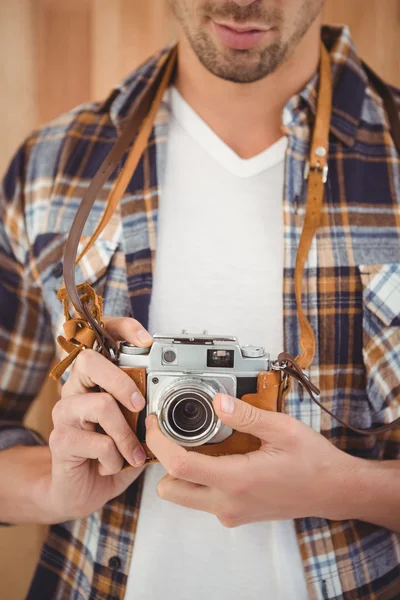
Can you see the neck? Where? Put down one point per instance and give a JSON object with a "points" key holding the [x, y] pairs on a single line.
{"points": [[257, 107]]}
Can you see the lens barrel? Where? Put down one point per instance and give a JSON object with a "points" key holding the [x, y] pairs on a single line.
{"points": [[187, 414]]}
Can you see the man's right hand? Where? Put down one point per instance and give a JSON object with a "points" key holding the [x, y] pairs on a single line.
{"points": [[86, 465]]}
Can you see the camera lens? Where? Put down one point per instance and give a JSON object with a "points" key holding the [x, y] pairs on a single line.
{"points": [[185, 410], [189, 415]]}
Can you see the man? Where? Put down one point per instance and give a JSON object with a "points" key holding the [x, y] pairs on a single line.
{"points": [[315, 512]]}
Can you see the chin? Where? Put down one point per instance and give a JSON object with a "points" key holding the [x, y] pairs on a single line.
{"points": [[243, 71]]}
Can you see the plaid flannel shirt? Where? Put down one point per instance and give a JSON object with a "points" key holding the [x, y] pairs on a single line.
{"points": [[351, 295]]}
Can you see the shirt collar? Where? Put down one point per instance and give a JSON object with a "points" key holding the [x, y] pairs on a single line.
{"points": [[349, 85], [123, 98]]}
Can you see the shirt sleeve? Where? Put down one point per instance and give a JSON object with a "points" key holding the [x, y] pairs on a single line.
{"points": [[26, 341]]}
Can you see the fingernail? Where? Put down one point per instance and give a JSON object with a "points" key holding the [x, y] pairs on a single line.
{"points": [[139, 456], [144, 336], [138, 401], [227, 405]]}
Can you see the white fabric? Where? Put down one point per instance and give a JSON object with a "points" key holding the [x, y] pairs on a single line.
{"points": [[219, 267]]}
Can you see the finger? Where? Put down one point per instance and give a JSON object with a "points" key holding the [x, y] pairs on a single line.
{"points": [[70, 445], [244, 417], [79, 410], [91, 369], [221, 472], [124, 479], [191, 495], [126, 329]]}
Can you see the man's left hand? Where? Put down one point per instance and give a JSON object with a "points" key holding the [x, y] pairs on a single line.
{"points": [[295, 473]]}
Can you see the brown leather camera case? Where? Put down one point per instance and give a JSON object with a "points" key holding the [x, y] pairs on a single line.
{"points": [[270, 390]]}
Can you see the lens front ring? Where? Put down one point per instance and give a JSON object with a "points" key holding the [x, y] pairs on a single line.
{"points": [[192, 427], [189, 415]]}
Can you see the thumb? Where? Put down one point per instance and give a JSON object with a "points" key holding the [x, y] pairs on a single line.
{"points": [[244, 417]]}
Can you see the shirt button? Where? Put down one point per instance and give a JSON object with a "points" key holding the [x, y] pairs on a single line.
{"points": [[58, 270], [286, 117], [114, 563]]}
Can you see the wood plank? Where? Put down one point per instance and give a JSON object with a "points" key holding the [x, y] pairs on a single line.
{"points": [[18, 98], [63, 55], [145, 27], [106, 47], [375, 27], [124, 34]]}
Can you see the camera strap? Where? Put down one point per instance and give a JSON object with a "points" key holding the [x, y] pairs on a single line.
{"points": [[87, 329]]}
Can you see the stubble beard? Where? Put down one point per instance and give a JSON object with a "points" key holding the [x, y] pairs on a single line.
{"points": [[246, 66]]}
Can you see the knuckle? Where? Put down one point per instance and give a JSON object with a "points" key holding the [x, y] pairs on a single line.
{"points": [[59, 440], [85, 359], [67, 384], [105, 403], [106, 445], [238, 488], [228, 517], [122, 380], [133, 325], [227, 523], [126, 436], [81, 361], [53, 440], [113, 468], [123, 326], [292, 431], [127, 328], [161, 491], [58, 412], [250, 416], [228, 513], [179, 467]]}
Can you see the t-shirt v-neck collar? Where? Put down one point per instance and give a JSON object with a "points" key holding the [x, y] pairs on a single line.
{"points": [[198, 130]]}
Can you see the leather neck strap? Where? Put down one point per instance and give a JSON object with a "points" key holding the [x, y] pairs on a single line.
{"points": [[138, 126], [292, 369], [316, 173]]}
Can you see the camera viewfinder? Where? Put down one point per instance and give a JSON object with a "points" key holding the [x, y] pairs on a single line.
{"points": [[222, 359]]}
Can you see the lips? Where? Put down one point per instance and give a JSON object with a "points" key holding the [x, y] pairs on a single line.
{"points": [[239, 39]]}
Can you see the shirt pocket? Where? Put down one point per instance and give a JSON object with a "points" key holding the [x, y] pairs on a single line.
{"points": [[381, 336], [46, 261]]}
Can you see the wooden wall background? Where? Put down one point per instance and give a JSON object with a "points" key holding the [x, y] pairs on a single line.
{"points": [[59, 53]]}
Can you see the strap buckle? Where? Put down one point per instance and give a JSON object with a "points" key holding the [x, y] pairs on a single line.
{"points": [[279, 365], [323, 170]]}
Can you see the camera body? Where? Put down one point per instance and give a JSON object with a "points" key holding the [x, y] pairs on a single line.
{"points": [[183, 374]]}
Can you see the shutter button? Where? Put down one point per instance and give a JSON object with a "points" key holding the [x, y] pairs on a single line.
{"points": [[114, 563], [253, 351]]}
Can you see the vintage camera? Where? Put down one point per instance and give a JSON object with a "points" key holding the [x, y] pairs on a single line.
{"points": [[183, 374]]}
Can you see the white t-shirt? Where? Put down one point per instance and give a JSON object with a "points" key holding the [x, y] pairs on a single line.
{"points": [[219, 267]]}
